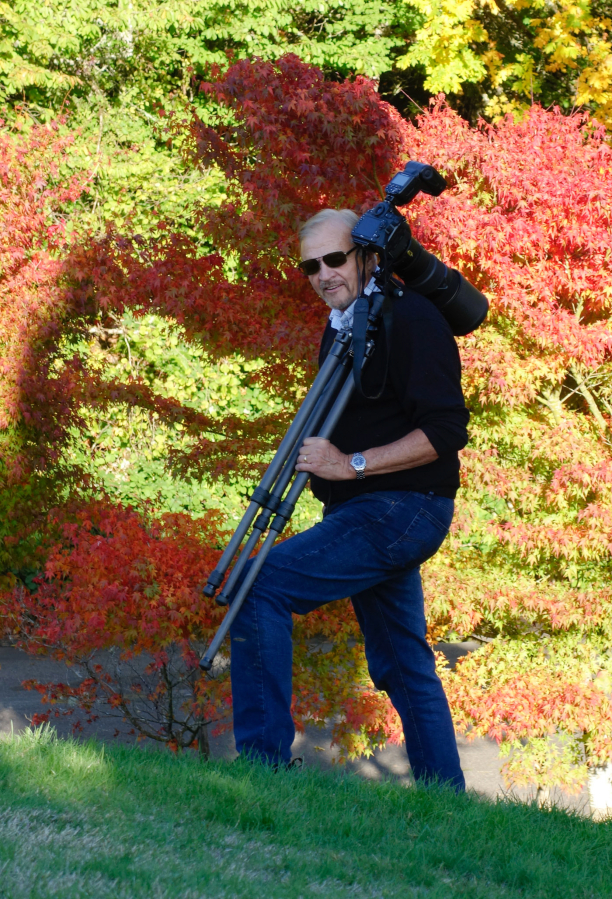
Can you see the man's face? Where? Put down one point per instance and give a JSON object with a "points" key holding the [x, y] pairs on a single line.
{"points": [[337, 286]]}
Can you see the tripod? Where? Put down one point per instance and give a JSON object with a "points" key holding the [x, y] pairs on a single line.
{"points": [[317, 416]]}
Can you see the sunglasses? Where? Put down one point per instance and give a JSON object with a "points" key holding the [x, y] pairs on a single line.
{"points": [[331, 260]]}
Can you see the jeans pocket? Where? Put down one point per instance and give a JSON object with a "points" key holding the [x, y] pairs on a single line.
{"points": [[420, 541]]}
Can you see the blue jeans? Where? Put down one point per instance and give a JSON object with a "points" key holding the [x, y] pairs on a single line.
{"points": [[369, 548]]}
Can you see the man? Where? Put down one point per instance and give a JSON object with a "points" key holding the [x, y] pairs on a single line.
{"points": [[382, 520]]}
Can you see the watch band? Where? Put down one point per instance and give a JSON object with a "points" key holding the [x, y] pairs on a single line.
{"points": [[359, 463]]}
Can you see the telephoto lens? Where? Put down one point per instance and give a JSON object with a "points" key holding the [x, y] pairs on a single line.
{"points": [[463, 306]]}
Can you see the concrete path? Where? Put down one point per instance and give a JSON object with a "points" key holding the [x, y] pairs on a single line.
{"points": [[479, 758]]}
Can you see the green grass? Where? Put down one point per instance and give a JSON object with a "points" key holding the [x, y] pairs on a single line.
{"points": [[82, 820]]}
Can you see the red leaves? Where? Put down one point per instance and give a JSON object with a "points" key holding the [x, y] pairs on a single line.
{"points": [[370, 713], [297, 144], [532, 698], [114, 583], [527, 219], [530, 213]]}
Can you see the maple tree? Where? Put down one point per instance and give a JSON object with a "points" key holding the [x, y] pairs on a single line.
{"points": [[54, 529], [527, 219], [112, 65], [33, 305]]}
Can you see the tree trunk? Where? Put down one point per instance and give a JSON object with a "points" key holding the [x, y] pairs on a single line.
{"points": [[600, 792]]}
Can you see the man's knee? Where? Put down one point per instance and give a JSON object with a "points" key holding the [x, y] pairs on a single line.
{"points": [[380, 669], [263, 600]]}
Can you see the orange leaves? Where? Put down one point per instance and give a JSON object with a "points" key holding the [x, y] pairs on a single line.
{"points": [[121, 582], [369, 722], [508, 600], [579, 479], [514, 695]]}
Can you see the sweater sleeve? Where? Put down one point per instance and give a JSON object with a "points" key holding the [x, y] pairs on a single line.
{"points": [[427, 376]]}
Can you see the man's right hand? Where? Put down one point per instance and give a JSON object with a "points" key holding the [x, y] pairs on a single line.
{"points": [[321, 458]]}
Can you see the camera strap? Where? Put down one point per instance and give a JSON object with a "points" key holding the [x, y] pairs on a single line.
{"points": [[360, 332]]}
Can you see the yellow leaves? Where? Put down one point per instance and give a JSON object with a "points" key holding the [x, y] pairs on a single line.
{"points": [[559, 35], [573, 39], [595, 82], [444, 45], [494, 62], [465, 41]]}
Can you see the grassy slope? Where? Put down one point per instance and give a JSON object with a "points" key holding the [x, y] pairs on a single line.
{"points": [[84, 820]]}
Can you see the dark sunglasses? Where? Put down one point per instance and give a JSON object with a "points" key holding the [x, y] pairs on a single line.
{"points": [[331, 260]]}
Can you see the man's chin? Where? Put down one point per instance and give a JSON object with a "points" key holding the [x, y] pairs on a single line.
{"points": [[340, 303]]}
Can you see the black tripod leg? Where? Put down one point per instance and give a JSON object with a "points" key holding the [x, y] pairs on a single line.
{"points": [[261, 493], [284, 513], [288, 472], [237, 604]]}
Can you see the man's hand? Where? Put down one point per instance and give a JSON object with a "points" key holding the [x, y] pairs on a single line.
{"points": [[320, 457]]}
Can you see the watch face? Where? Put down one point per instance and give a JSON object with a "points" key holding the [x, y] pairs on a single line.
{"points": [[358, 462]]}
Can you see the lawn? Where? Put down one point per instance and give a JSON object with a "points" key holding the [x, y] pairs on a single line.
{"points": [[81, 820]]}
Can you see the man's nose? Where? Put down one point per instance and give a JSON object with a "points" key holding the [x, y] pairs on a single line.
{"points": [[325, 272]]}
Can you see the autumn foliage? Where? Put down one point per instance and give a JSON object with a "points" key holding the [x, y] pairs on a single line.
{"points": [[527, 219], [33, 303], [530, 219]]}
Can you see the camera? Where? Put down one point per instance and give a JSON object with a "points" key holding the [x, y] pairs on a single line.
{"points": [[384, 231]]}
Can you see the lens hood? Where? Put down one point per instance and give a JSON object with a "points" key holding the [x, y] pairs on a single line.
{"points": [[466, 309]]}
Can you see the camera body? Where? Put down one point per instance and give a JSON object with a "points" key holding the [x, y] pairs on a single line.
{"points": [[384, 231]]}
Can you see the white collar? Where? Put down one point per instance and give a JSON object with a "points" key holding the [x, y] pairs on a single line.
{"points": [[342, 321]]}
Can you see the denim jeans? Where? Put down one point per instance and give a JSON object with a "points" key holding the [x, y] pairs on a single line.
{"points": [[369, 548]]}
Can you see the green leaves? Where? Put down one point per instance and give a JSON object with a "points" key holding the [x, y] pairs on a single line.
{"points": [[127, 449]]}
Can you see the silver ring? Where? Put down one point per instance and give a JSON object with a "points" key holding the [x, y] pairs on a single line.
{"points": [[305, 458]]}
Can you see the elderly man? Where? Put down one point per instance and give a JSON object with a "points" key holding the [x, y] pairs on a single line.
{"points": [[387, 479]]}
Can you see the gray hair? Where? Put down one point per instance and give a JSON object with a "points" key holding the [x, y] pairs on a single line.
{"points": [[345, 216]]}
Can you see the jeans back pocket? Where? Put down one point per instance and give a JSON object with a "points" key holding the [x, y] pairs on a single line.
{"points": [[422, 539]]}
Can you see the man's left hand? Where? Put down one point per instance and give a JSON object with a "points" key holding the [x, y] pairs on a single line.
{"points": [[322, 458]]}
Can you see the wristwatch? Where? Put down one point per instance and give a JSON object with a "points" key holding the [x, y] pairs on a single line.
{"points": [[359, 464]]}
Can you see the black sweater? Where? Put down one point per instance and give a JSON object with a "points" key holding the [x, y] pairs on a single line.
{"points": [[423, 390]]}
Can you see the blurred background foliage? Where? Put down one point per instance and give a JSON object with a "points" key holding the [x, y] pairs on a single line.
{"points": [[126, 449], [117, 69]]}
